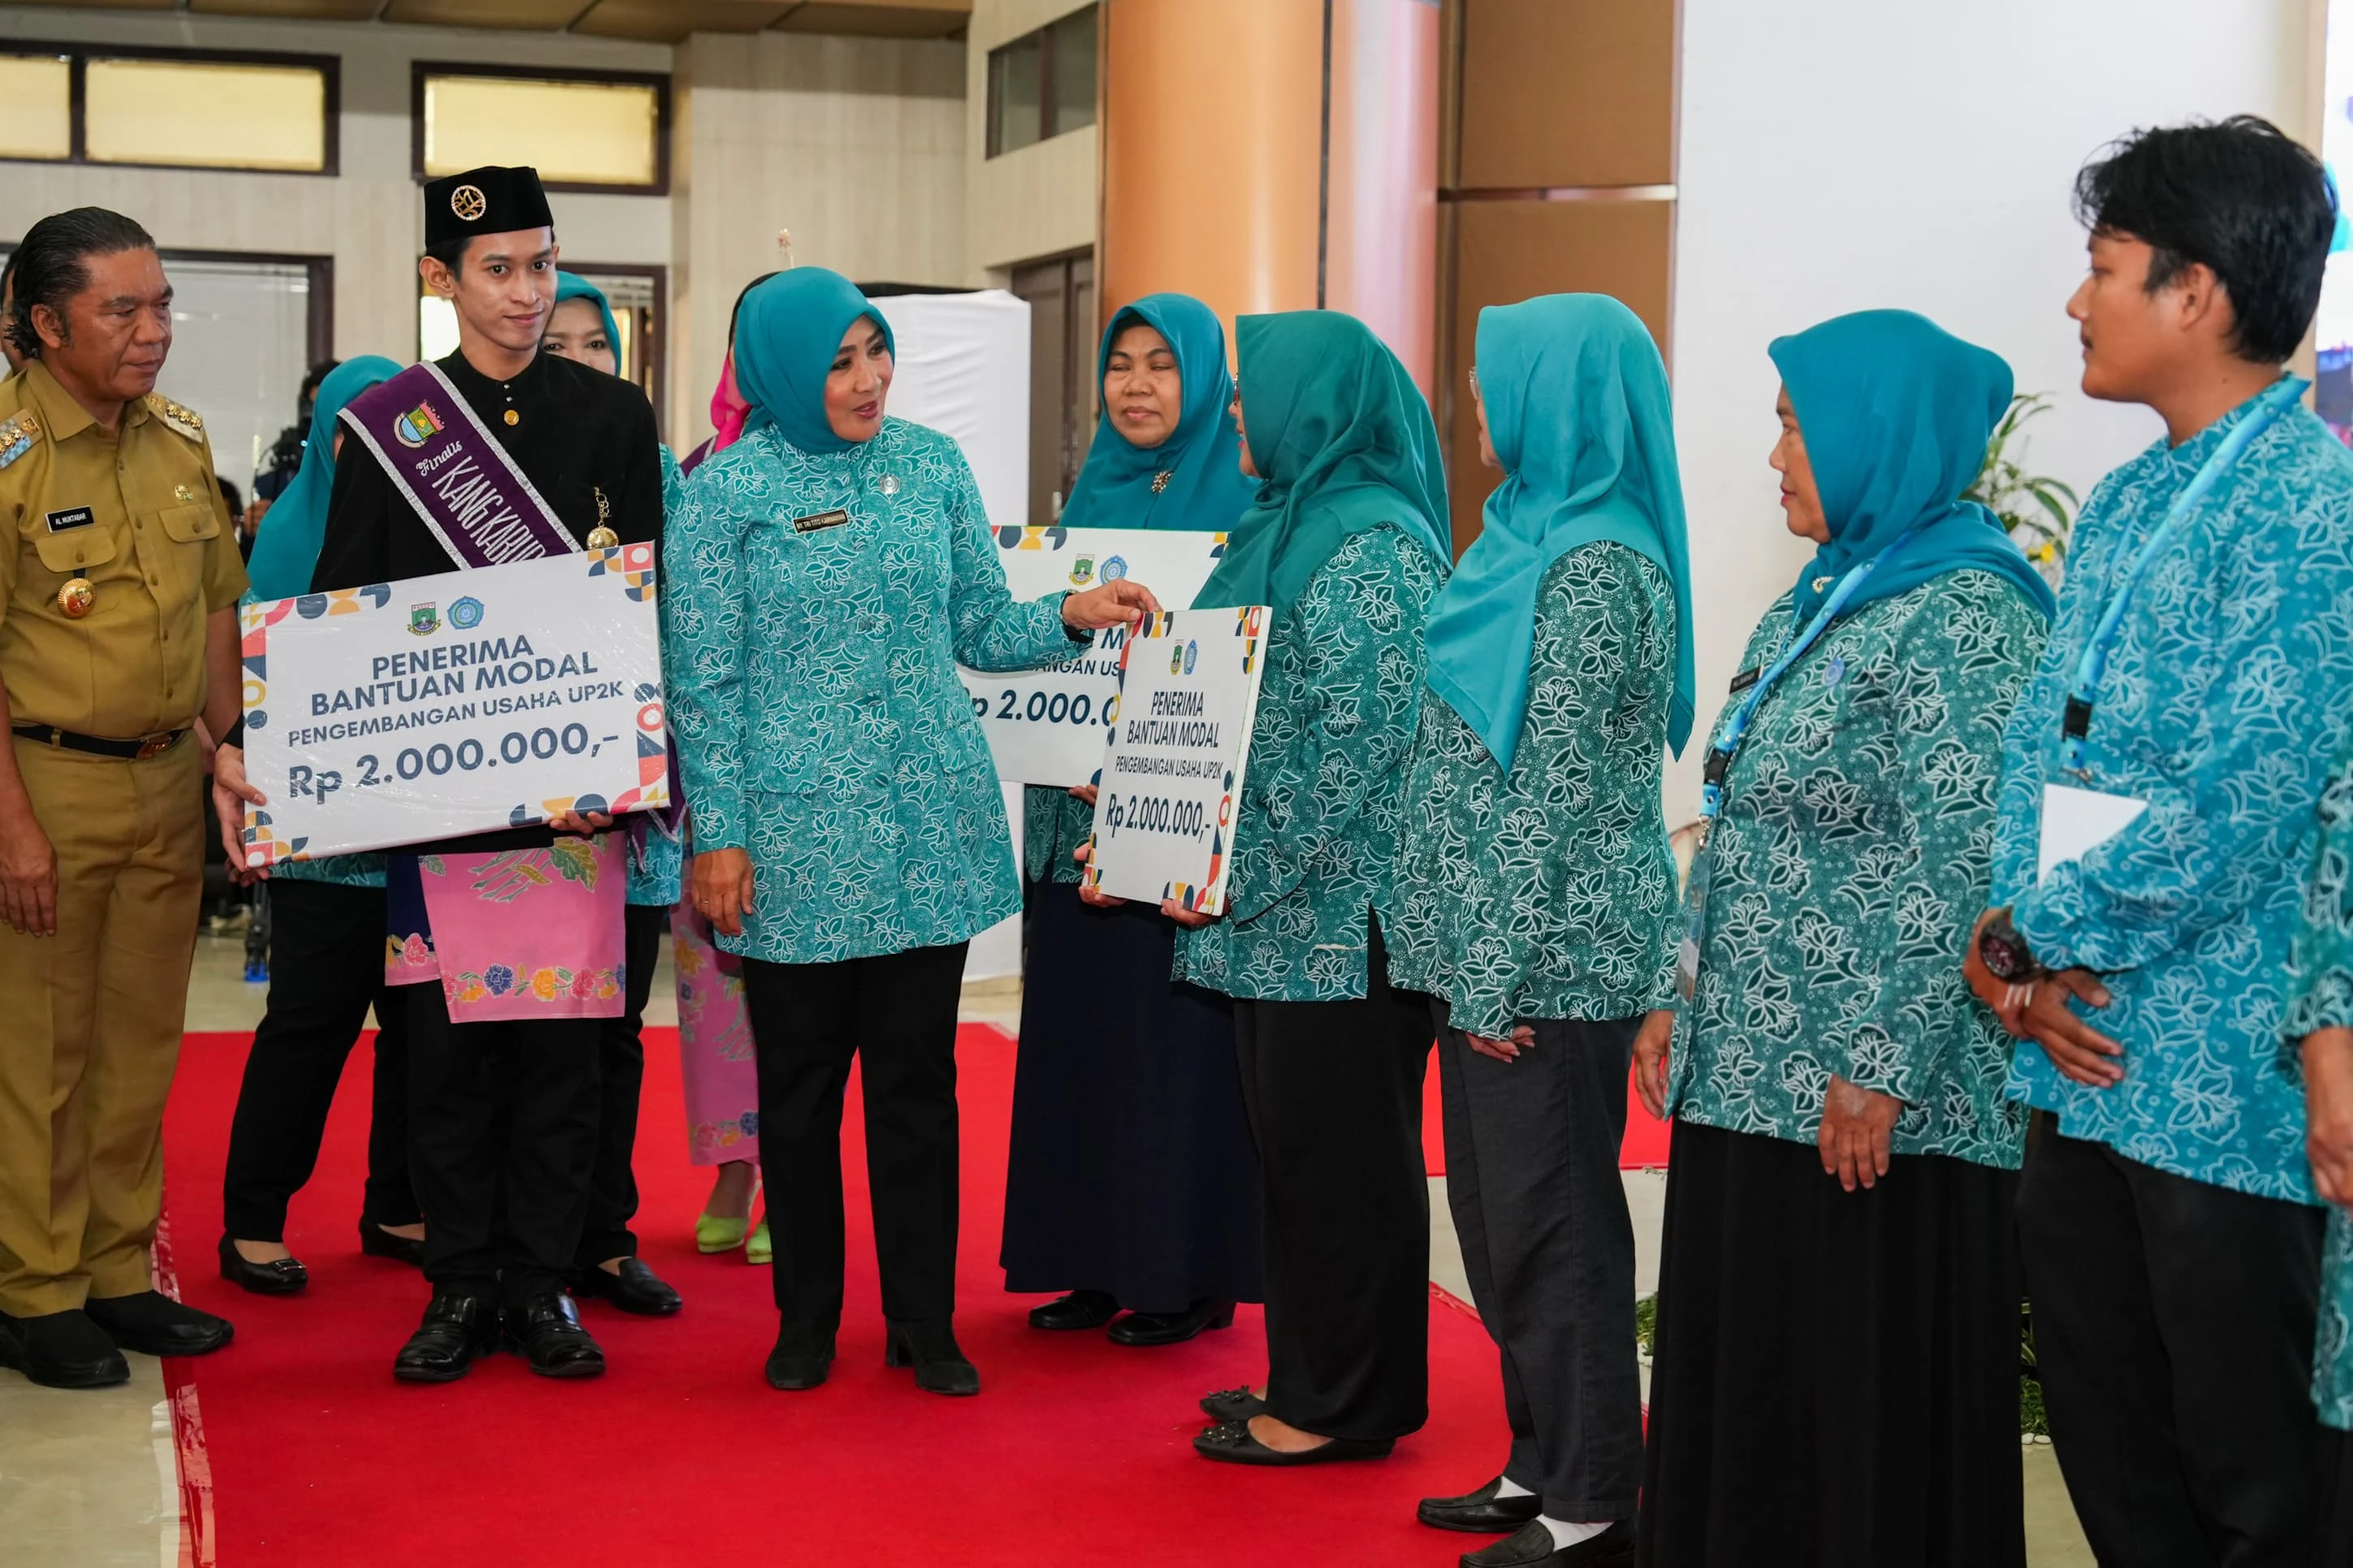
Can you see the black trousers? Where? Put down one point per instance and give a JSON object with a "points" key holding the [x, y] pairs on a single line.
{"points": [[503, 1124], [327, 965], [2173, 1324], [1531, 1179], [620, 1078], [1334, 1091], [896, 1014]]}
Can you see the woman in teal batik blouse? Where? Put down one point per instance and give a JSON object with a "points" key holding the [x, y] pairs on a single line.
{"points": [[1343, 543], [826, 574], [1837, 1349], [1536, 893]]}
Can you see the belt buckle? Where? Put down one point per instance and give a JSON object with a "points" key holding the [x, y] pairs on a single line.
{"points": [[154, 745]]}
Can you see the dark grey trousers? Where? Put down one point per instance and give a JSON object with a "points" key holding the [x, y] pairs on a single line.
{"points": [[1531, 1178]]}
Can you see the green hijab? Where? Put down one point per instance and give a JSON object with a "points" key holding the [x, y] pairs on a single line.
{"points": [[1577, 408], [572, 286], [1342, 443], [786, 330], [1189, 480]]}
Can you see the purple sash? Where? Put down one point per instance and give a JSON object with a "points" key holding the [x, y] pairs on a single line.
{"points": [[454, 472]]}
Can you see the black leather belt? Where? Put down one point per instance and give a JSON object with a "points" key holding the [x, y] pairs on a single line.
{"points": [[137, 750]]}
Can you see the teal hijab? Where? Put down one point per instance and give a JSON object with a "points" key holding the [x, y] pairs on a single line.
{"points": [[1895, 413], [572, 286], [286, 550], [1578, 410], [1122, 485], [1342, 443], [786, 335]]}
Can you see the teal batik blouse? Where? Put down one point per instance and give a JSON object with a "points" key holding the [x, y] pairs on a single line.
{"points": [[1054, 823], [1851, 857], [2321, 996], [1322, 799], [1549, 891], [814, 694]]}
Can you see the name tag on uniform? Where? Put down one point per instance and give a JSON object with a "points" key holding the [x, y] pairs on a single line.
{"points": [[1745, 680], [72, 517], [833, 519]]}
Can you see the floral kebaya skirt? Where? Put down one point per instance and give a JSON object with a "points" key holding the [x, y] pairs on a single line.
{"points": [[513, 935]]}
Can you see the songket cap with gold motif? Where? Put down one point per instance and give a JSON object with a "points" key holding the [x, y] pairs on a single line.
{"points": [[488, 200]]}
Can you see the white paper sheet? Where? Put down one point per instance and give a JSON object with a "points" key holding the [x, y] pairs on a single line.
{"points": [[2077, 821]]}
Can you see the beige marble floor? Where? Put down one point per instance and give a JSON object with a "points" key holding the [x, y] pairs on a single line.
{"points": [[86, 1479]]}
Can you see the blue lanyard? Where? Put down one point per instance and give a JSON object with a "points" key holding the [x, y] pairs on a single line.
{"points": [[1719, 756], [2084, 695]]}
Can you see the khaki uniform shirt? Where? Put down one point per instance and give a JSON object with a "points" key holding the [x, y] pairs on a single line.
{"points": [[139, 514]]}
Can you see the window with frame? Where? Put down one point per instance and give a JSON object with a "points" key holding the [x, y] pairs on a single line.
{"points": [[1042, 84], [583, 130], [183, 109]]}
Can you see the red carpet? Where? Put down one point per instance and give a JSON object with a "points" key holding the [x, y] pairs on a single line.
{"points": [[1644, 1149], [1078, 1452]]}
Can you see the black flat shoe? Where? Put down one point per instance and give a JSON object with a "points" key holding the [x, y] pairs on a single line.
{"points": [[457, 1331], [1079, 1309], [379, 1242], [61, 1349], [153, 1323], [1232, 1404], [1532, 1547], [803, 1357], [929, 1346], [1229, 1442], [1172, 1328], [634, 1290], [282, 1277], [1481, 1511], [546, 1329]]}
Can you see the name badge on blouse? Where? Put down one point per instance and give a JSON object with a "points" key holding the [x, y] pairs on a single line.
{"points": [[819, 521], [1745, 680]]}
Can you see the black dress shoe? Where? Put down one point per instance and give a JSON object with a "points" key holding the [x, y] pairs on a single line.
{"points": [[1532, 1547], [546, 1329], [928, 1344], [457, 1330], [1232, 1404], [1481, 1511], [803, 1356], [379, 1242], [153, 1324], [1229, 1442], [281, 1277], [1172, 1328], [634, 1290], [1079, 1309], [61, 1349]]}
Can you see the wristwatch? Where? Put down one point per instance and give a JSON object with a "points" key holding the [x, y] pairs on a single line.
{"points": [[2005, 953]]}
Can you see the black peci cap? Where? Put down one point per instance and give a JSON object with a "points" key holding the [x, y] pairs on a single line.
{"points": [[488, 200]]}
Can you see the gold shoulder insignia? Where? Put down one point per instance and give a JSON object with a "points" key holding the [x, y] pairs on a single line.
{"points": [[184, 420], [16, 436]]}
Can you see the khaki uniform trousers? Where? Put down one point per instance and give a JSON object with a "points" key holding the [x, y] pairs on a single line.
{"points": [[90, 1022]]}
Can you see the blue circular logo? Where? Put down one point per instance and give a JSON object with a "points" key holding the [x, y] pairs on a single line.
{"points": [[466, 614]]}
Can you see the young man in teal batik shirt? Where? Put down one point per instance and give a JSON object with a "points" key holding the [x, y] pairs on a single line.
{"points": [[2196, 680]]}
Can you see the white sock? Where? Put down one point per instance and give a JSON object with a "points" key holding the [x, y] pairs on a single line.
{"points": [[1565, 1535], [1506, 1487]]}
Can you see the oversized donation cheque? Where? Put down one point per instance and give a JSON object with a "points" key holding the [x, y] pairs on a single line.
{"points": [[1172, 774], [1046, 726], [441, 706]]}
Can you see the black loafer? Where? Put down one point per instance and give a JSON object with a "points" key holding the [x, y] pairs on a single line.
{"points": [[1481, 1511], [1532, 1547], [281, 1277], [803, 1357], [379, 1242], [1229, 1405], [1229, 1442], [1172, 1328], [635, 1289], [1079, 1309], [61, 1349], [458, 1330], [546, 1329], [929, 1346], [153, 1323]]}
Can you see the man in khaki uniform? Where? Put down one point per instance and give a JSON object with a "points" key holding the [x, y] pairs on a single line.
{"points": [[119, 582]]}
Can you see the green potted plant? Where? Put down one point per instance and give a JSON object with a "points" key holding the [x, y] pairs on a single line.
{"points": [[2037, 511]]}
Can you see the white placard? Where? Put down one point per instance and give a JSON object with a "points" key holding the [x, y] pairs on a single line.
{"points": [[2077, 821], [1046, 726], [409, 712], [1172, 773]]}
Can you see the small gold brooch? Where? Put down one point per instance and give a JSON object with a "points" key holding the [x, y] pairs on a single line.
{"points": [[1160, 480]]}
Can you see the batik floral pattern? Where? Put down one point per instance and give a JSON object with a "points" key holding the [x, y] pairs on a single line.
{"points": [[2321, 996], [1846, 868], [1323, 801], [1054, 823], [546, 983], [1549, 891]]}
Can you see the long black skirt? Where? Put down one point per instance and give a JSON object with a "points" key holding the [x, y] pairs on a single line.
{"points": [[1836, 1373], [1131, 1170], [2332, 1522]]}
